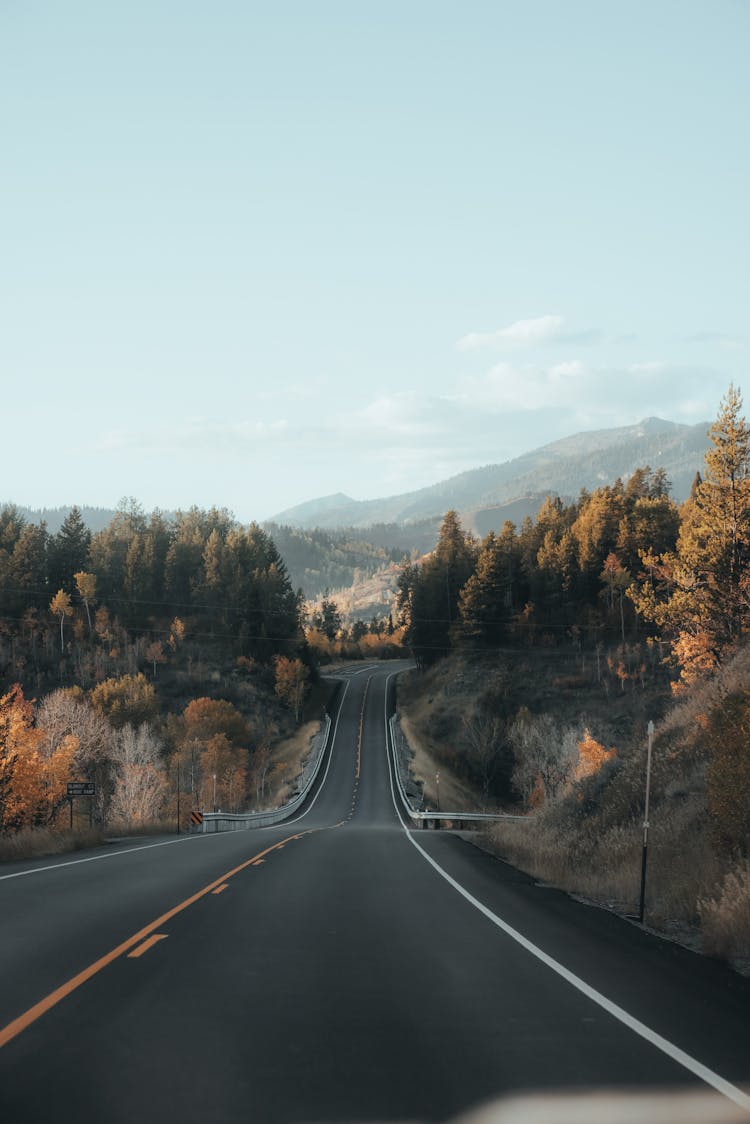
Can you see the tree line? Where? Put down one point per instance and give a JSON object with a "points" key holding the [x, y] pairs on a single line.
{"points": [[147, 578], [618, 565]]}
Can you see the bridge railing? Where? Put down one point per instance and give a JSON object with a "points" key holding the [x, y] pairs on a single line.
{"points": [[422, 817], [242, 821]]}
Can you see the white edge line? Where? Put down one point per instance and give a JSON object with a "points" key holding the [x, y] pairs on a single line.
{"points": [[95, 858], [286, 823], [720, 1084]]}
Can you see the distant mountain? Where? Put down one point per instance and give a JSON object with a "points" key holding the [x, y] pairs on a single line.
{"points": [[585, 460], [95, 518]]}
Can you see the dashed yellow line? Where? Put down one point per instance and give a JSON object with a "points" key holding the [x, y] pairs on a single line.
{"points": [[152, 940], [14, 1028]]}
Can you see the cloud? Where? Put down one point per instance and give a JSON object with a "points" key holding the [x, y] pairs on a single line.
{"points": [[721, 340], [200, 435], [523, 333], [649, 367]]}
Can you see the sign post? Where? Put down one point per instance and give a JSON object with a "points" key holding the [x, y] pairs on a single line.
{"points": [[644, 856], [79, 788]]}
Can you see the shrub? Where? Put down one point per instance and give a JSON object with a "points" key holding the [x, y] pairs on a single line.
{"points": [[725, 919]]}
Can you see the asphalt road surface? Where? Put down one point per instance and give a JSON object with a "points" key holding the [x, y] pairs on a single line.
{"points": [[337, 967]]}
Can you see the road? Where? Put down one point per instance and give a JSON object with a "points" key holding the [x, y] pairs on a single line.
{"points": [[337, 968]]}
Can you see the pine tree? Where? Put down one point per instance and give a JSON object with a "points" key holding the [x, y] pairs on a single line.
{"points": [[69, 551], [700, 594]]}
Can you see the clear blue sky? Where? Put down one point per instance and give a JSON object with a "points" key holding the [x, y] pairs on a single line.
{"points": [[254, 253]]}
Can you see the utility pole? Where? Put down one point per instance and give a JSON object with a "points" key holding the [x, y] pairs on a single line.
{"points": [[644, 857]]}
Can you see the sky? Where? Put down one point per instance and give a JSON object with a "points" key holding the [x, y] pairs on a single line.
{"points": [[252, 254]]}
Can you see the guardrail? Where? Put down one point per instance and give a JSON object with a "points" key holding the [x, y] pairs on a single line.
{"points": [[244, 821], [425, 818]]}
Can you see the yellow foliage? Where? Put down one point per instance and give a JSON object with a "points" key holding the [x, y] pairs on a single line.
{"points": [[696, 655], [536, 799], [591, 756], [32, 784]]}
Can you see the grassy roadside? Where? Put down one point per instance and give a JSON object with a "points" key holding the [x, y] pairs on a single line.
{"points": [[586, 834]]}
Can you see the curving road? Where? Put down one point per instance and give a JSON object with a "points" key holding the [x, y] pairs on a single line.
{"points": [[337, 968]]}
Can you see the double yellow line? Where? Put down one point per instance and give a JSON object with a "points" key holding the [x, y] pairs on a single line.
{"points": [[14, 1028]]}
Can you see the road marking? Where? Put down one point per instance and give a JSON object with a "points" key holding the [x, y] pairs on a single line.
{"points": [[152, 940], [14, 1028], [715, 1080], [295, 819], [95, 858], [221, 889]]}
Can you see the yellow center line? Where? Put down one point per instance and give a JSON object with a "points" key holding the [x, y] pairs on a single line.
{"points": [[361, 729], [221, 889], [14, 1028], [152, 940]]}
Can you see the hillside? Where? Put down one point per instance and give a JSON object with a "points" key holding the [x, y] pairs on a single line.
{"points": [[584, 460]]}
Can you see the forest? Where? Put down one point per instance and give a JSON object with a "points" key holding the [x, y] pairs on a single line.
{"points": [[158, 658], [162, 657], [545, 651]]}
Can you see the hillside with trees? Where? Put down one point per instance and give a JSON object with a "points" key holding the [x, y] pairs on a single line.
{"points": [[159, 657], [545, 650]]}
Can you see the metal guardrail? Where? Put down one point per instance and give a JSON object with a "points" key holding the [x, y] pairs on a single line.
{"points": [[426, 818], [244, 821]]}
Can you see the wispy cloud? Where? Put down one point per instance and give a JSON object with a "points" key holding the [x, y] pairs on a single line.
{"points": [[202, 435], [523, 333], [722, 340]]}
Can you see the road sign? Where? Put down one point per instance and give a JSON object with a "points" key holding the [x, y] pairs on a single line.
{"points": [[197, 818], [81, 788]]}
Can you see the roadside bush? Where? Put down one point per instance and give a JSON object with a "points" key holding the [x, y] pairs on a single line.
{"points": [[725, 919]]}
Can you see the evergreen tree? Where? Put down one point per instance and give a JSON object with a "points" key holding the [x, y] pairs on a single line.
{"points": [[484, 601], [699, 594], [69, 551]]}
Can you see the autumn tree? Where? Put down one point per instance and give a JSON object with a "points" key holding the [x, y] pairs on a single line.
{"points": [[155, 654], [291, 680], [86, 586], [32, 782], [203, 718], [60, 606], [127, 700], [545, 755], [66, 713], [699, 595], [140, 785]]}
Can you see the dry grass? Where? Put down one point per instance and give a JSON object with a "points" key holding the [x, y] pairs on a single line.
{"points": [[455, 794], [289, 757], [32, 843], [726, 917], [588, 840], [605, 866]]}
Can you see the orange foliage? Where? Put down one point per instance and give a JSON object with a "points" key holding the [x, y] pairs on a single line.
{"points": [[536, 799], [591, 756], [696, 656], [204, 718], [32, 784]]}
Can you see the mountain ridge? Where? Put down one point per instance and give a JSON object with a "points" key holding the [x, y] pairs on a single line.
{"points": [[587, 459]]}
